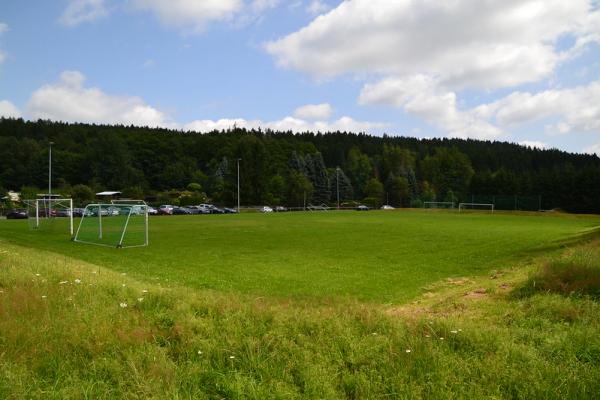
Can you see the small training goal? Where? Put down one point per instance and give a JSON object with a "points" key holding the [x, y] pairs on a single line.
{"points": [[475, 207], [42, 213], [119, 224], [438, 204]]}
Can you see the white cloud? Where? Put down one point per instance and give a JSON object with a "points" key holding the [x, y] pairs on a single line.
{"points": [[418, 95], [192, 15], [593, 149], [68, 100], [313, 112], [577, 108], [9, 110], [287, 124], [80, 11], [316, 7], [534, 144], [463, 43]]}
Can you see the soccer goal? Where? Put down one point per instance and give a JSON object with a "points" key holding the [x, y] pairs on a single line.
{"points": [[438, 204], [42, 213], [119, 224], [475, 207]]}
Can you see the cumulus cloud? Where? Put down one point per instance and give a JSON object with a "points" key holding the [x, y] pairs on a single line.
{"points": [[9, 110], [577, 108], [485, 45], [69, 100], [193, 16], [292, 124], [80, 11], [312, 112], [419, 95]]}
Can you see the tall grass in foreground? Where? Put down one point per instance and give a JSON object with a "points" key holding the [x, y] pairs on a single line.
{"points": [[73, 330], [577, 274]]}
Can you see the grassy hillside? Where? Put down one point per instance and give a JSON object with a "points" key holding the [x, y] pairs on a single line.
{"points": [[374, 256], [73, 329]]}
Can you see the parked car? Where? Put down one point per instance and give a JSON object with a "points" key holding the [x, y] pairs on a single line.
{"points": [[180, 211], [78, 212], [266, 209], [362, 208], [387, 207], [280, 209], [152, 211], [229, 210], [17, 213], [165, 209], [63, 212]]}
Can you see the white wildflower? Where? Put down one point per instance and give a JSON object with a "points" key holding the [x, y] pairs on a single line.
{"points": [[427, 336], [144, 291], [455, 332], [43, 296], [123, 285], [77, 281], [441, 338], [200, 352], [63, 282], [123, 305], [408, 350], [37, 274], [231, 357], [140, 299]]}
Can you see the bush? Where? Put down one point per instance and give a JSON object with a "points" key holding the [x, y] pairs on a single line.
{"points": [[575, 275]]}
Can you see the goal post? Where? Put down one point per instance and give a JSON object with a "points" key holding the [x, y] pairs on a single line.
{"points": [[118, 224], [475, 207], [438, 204], [42, 212]]}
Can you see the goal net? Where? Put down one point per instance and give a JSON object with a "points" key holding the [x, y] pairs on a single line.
{"points": [[438, 204], [50, 214], [475, 207], [119, 224]]}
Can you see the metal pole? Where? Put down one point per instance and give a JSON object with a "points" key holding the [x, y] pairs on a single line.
{"points": [[337, 178], [50, 168], [238, 184]]}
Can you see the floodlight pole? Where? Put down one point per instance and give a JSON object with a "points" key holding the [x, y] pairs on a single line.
{"points": [[337, 180], [238, 184], [50, 168]]}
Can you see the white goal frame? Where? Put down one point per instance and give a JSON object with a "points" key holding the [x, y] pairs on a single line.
{"points": [[461, 205], [426, 203], [108, 206], [46, 204]]}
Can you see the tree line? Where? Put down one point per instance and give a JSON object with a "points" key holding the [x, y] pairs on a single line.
{"points": [[283, 168]]}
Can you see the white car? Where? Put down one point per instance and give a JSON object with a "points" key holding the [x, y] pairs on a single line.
{"points": [[266, 209], [387, 207]]}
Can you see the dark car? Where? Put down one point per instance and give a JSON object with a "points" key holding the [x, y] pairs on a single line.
{"points": [[78, 212], [280, 209], [362, 208], [17, 213], [181, 211], [229, 210]]}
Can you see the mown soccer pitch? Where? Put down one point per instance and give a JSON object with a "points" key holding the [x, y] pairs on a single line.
{"points": [[379, 256]]}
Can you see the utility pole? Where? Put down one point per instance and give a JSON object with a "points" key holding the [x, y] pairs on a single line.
{"points": [[50, 168], [337, 178], [238, 184]]}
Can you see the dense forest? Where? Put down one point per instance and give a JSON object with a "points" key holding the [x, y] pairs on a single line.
{"points": [[283, 168]]}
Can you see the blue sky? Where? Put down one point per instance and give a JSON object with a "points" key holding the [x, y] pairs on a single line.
{"points": [[525, 71]]}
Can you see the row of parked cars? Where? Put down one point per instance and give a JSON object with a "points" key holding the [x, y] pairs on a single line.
{"points": [[168, 209]]}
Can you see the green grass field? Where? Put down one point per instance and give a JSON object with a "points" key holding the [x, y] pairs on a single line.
{"points": [[337, 305], [374, 256]]}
